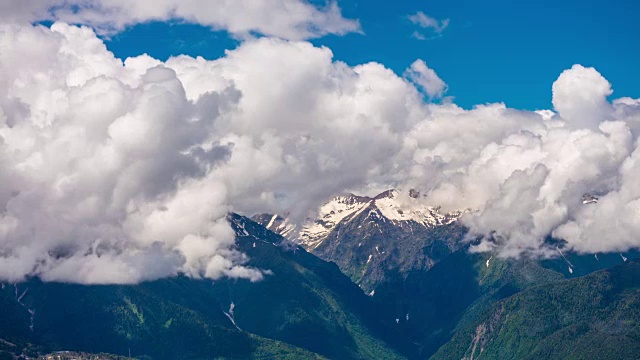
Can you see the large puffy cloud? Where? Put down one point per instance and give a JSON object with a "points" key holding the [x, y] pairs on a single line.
{"points": [[119, 172], [613, 224], [124, 171], [522, 174], [290, 19], [580, 97], [96, 151]]}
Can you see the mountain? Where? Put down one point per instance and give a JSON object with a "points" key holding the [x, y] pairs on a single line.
{"points": [[429, 297], [374, 238], [431, 307], [304, 309], [414, 264], [596, 316]]}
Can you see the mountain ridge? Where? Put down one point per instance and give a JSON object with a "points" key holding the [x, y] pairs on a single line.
{"points": [[304, 307], [345, 207], [428, 295], [360, 233]]}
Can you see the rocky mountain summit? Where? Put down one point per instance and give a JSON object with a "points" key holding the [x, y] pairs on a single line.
{"points": [[372, 238]]}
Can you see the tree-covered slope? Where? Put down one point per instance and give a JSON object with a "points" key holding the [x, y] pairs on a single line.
{"points": [[303, 308], [592, 317], [432, 306], [429, 305]]}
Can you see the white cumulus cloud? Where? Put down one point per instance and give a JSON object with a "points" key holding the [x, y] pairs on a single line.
{"points": [[123, 171], [290, 19]]}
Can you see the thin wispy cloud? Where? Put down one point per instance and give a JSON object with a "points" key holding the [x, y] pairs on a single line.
{"points": [[419, 36], [427, 24], [288, 19]]}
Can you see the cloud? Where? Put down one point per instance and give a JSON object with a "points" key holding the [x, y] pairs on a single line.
{"points": [[120, 172], [613, 224], [99, 155], [523, 173], [289, 19], [123, 171], [427, 22], [580, 96], [418, 36], [427, 79]]}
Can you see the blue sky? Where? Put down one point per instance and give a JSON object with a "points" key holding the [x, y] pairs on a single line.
{"points": [[491, 51]]}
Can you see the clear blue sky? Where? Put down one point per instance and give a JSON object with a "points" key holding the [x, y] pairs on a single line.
{"points": [[492, 50]]}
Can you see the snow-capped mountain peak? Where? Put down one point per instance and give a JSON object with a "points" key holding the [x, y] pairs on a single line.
{"points": [[331, 214], [395, 206], [277, 224]]}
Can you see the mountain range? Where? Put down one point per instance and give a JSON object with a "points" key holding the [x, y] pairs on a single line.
{"points": [[383, 277]]}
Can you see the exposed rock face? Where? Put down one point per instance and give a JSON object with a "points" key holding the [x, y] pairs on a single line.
{"points": [[371, 238]]}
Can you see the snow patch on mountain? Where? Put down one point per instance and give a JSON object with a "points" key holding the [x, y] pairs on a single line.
{"points": [[314, 232], [396, 206], [401, 208], [392, 205], [277, 224]]}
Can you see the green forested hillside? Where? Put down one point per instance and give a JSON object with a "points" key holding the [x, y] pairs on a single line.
{"points": [[305, 302], [592, 317], [433, 307]]}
